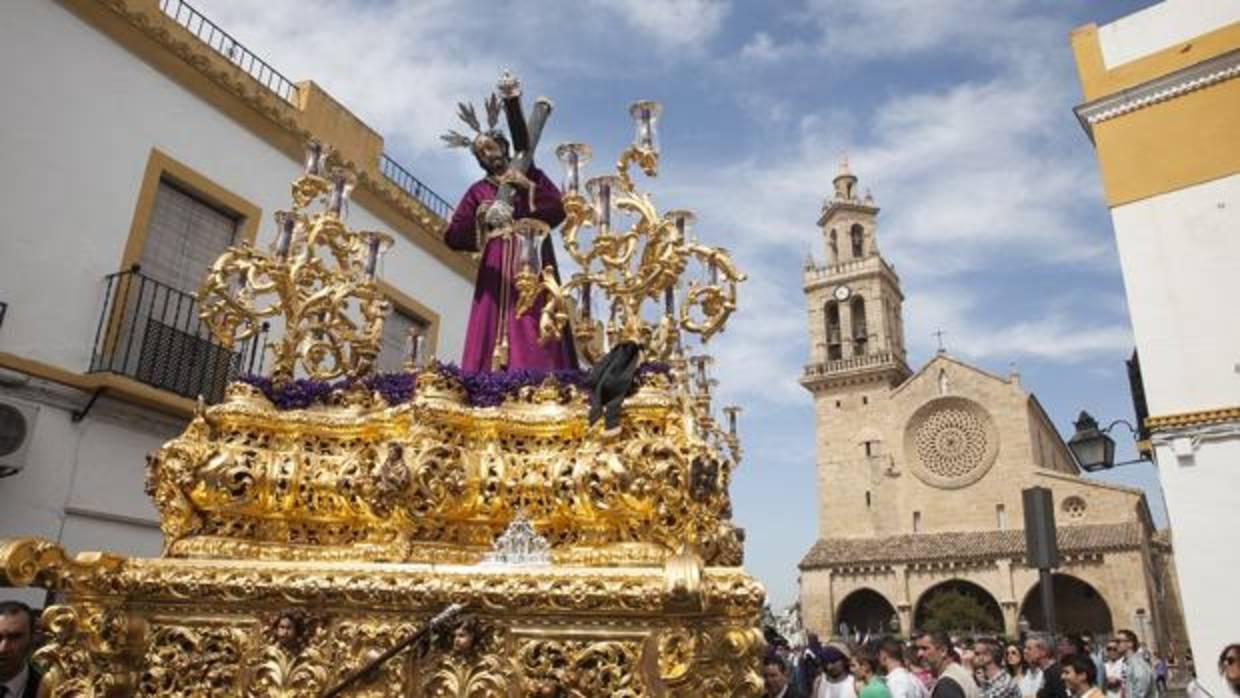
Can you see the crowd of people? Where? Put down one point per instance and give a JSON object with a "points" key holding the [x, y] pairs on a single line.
{"points": [[938, 665]]}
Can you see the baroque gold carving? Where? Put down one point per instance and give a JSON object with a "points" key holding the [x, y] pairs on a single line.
{"points": [[436, 480]]}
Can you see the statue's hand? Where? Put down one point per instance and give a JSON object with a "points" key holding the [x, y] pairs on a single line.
{"points": [[516, 179]]}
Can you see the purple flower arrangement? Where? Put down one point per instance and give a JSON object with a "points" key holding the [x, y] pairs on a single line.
{"points": [[481, 389]]}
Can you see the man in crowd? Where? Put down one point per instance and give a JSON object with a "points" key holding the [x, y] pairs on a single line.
{"points": [[775, 678], [1113, 667], [900, 681], [952, 681], [996, 681], [865, 671], [18, 679], [1138, 676], [1079, 676], [834, 681], [1038, 654]]}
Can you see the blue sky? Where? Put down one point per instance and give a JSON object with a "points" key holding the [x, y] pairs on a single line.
{"points": [[955, 113]]}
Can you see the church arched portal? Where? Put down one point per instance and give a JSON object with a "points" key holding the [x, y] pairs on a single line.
{"points": [[958, 605], [866, 611], [1078, 607]]}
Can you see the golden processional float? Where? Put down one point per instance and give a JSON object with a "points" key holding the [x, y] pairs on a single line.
{"points": [[320, 521]]}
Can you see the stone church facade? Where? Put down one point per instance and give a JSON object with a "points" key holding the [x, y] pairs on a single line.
{"points": [[920, 474]]}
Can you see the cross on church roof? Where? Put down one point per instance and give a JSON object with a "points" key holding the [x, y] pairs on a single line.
{"points": [[939, 334]]}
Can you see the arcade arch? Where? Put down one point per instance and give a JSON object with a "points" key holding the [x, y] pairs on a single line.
{"points": [[1078, 607], [944, 595]]}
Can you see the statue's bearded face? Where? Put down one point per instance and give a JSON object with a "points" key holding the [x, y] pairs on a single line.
{"points": [[492, 155]]}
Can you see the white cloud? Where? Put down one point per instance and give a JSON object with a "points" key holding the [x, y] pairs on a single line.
{"points": [[685, 24]]}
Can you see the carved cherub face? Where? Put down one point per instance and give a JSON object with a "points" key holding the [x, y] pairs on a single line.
{"points": [[462, 639], [286, 631]]}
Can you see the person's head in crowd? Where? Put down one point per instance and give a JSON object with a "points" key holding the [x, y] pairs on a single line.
{"points": [[16, 638], [833, 661], [1037, 650], [1087, 639], [1070, 643], [890, 654], [1229, 666], [1110, 651], [864, 665], [987, 654], [1014, 659], [1078, 673], [935, 650], [1127, 641], [774, 675]]}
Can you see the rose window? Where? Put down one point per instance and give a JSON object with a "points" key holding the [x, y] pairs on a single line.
{"points": [[1074, 507], [951, 441]]}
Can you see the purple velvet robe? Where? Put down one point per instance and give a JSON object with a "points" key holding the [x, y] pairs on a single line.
{"points": [[525, 351]]}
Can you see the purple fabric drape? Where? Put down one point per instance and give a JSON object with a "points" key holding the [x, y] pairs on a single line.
{"points": [[524, 349]]}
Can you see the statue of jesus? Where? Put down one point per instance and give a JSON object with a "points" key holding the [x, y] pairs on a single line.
{"points": [[497, 338]]}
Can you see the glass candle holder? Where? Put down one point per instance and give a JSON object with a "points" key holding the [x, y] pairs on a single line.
{"points": [[645, 115], [683, 219], [315, 155], [416, 342], [602, 192], [375, 244], [585, 300], [574, 156], [732, 411], [342, 187], [286, 222]]}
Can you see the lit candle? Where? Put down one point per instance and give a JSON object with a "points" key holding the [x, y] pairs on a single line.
{"points": [[287, 223], [585, 300], [714, 273], [669, 301], [732, 411], [314, 157]]}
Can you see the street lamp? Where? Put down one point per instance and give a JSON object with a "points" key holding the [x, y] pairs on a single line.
{"points": [[1093, 448]]}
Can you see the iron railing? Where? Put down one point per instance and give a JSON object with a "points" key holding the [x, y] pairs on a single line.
{"points": [[414, 187], [151, 332], [224, 44]]}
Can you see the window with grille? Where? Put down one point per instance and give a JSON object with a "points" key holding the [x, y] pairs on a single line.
{"points": [[165, 343], [394, 350], [184, 237]]}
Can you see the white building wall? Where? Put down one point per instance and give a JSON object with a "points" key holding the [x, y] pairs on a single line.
{"points": [[1162, 26], [1180, 254], [79, 118]]}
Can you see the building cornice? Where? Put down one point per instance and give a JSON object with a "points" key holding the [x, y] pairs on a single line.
{"points": [[1168, 422], [1195, 77]]}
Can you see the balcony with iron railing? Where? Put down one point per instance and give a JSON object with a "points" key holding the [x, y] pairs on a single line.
{"points": [[819, 273], [850, 363], [150, 332], [273, 80]]}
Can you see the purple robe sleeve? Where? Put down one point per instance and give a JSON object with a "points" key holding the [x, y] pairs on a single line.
{"points": [[461, 233]]}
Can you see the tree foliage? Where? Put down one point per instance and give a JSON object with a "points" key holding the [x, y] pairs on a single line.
{"points": [[954, 610]]}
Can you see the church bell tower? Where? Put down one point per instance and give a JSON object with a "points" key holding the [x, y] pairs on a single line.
{"points": [[857, 354]]}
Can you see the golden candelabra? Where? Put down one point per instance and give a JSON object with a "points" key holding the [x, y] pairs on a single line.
{"points": [[303, 543], [644, 262], [319, 277]]}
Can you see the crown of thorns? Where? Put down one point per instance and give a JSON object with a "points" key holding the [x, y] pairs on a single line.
{"points": [[466, 113]]}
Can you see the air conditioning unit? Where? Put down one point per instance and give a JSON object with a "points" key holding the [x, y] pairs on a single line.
{"points": [[16, 433]]}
